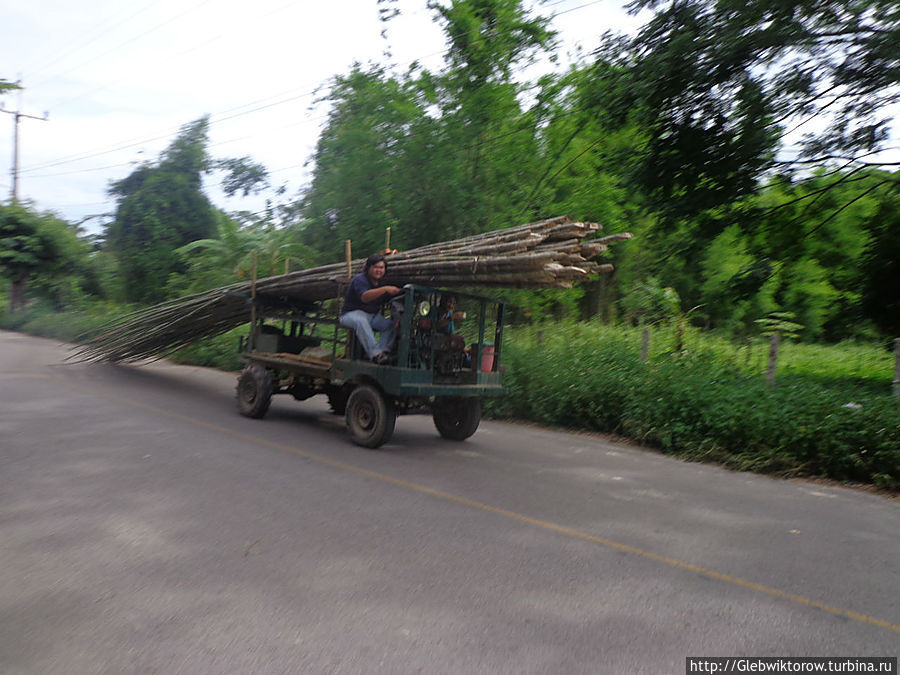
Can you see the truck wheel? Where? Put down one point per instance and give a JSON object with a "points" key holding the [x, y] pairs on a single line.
{"points": [[370, 417], [254, 391], [456, 417]]}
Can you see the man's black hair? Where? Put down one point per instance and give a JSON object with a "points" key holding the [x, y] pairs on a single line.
{"points": [[374, 259]]}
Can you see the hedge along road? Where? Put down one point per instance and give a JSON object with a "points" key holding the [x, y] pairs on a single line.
{"points": [[147, 527]]}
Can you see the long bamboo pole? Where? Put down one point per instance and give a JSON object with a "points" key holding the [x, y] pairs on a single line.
{"points": [[552, 253]]}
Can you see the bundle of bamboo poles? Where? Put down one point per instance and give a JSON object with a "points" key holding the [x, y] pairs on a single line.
{"points": [[551, 253]]}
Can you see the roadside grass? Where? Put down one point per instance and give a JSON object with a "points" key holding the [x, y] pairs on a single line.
{"points": [[830, 414], [67, 326], [217, 352], [709, 402]]}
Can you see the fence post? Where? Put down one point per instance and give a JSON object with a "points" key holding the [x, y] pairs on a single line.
{"points": [[897, 367], [645, 344], [774, 343], [349, 255], [252, 344]]}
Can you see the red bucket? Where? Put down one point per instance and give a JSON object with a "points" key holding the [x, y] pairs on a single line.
{"points": [[487, 357]]}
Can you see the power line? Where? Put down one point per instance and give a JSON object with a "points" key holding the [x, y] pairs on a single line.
{"points": [[97, 35], [573, 9], [76, 171], [168, 133], [170, 57], [72, 206], [61, 102], [243, 109], [78, 158], [14, 171], [127, 42]]}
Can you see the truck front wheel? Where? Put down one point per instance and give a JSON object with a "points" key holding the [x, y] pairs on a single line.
{"points": [[370, 417], [254, 391], [456, 417]]}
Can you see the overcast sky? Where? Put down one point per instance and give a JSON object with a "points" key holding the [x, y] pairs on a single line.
{"points": [[119, 79]]}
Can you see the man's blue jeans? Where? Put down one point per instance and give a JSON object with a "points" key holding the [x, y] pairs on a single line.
{"points": [[365, 325]]}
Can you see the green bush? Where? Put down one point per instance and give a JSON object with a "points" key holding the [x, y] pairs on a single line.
{"points": [[706, 403], [68, 326], [218, 352], [40, 319]]}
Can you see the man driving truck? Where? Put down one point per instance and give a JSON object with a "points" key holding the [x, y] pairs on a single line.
{"points": [[362, 309]]}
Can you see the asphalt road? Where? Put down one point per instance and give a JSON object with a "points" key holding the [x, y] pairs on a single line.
{"points": [[145, 527]]}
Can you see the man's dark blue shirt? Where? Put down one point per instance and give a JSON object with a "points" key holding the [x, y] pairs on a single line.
{"points": [[353, 297]]}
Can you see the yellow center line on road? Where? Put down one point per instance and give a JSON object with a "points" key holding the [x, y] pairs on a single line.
{"points": [[512, 515]]}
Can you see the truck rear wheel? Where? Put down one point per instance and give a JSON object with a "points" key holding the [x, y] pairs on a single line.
{"points": [[370, 417], [254, 391], [456, 417]]}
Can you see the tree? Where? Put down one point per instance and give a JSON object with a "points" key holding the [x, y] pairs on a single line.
{"points": [[574, 166], [6, 85], [721, 92], [229, 257], [33, 246], [242, 175], [492, 140], [818, 231], [432, 155], [719, 84], [487, 38], [358, 161], [728, 282], [161, 207], [881, 268]]}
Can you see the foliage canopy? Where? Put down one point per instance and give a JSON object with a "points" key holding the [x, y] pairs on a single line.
{"points": [[718, 84]]}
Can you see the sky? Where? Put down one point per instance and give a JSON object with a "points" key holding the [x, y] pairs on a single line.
{"points": [[119, 79]]}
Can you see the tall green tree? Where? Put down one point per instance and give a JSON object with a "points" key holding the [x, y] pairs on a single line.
{"points": [[359, 157], [40, 251], [483, 125], [720, 85], [432, 155], [161, 206], [880, 268], [803, 247], [230, 256], [818, 230], [24, 249]]}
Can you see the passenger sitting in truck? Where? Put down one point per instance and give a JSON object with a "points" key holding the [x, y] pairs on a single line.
{"points": [[447, 318], [362, 309]]}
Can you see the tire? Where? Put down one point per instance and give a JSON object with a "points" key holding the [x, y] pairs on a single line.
{"points": [[456, 417], [254, 391], [370, 417]]}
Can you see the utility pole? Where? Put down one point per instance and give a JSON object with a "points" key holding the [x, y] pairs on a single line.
{"points": [[14, 171]]}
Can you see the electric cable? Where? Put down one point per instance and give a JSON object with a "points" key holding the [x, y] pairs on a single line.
{"points": [[97, 35], [258, 108], [126, 42], [63, 101], [312, 92]]}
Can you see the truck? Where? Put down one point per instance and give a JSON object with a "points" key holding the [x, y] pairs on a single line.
{"points": [[300, 349]]}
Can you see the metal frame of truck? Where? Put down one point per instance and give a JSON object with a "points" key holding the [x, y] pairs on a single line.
{"points": [[427, 372]]}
